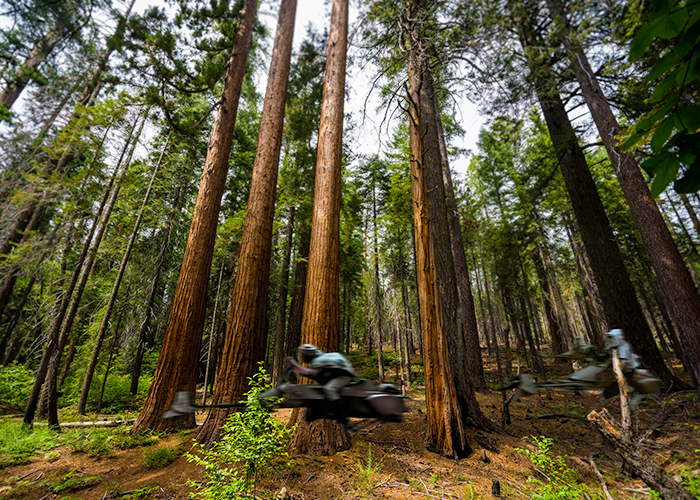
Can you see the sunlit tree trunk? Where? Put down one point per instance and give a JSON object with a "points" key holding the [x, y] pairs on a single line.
{"points": [[177, 364], [244, 343]]}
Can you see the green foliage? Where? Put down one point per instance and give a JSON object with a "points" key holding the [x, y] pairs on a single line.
{"points": [[18, 443], [15, 384], [253, 441], [72, 481], [675, 121], [159, 457], [553, 466], [145, 492], [366, 471], [93, 442]]}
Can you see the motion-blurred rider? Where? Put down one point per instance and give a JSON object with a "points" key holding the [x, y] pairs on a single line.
{"points": [[332, 370]]}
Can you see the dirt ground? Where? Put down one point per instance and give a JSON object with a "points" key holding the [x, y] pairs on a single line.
{"points": [[401, 467]]}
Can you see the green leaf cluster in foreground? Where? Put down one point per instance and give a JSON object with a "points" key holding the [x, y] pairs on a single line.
{"points": [[674, 124]]}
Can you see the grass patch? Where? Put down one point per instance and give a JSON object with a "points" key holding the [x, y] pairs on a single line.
{"points": [[18, 443], [72, 481], [159, 457]]}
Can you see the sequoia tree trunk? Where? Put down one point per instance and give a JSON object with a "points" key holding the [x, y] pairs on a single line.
{"points": [[177, 364], [244, 343], [322, 303]]}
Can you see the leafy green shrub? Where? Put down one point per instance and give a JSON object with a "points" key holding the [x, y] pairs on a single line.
{"points": [[18, 443], [370, 373], [159, 457], [252, 440], [554, 467], [15, 384]]}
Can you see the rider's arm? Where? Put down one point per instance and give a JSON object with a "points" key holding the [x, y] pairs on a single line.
{"points": [[302, 371]]}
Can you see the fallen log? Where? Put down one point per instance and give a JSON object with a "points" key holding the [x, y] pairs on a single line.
{"points": [[637, 461], [102, 423]]}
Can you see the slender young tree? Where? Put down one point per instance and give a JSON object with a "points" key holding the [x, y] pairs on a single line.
{"points": [[177, 364], [321, 318], [246, 327], [104, 325]]}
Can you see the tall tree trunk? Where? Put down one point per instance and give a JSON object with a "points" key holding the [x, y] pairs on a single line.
{"points": [[445, 434], [444, 263], [244, 344], [144, 332], [557, 345], [321, 309], [675, 281], [470, 329], [177, 364], [620, 304], [296, 309], [212, 339], [281, 327], [377, 294], [590, 291], [691, 213], [82, 402]]}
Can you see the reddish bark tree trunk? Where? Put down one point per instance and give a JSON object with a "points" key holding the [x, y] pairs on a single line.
{"points": [[470, 329], [321, 319], [177, 364], [244, 344]]}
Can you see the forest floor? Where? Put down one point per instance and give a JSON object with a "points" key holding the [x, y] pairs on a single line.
{"points": [[387, 460]]}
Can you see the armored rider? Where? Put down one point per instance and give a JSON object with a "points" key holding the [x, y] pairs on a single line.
{"points": [[332, 370]]}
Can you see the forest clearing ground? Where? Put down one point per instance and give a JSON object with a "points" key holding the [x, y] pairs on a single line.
{"points": [[385, 461]]}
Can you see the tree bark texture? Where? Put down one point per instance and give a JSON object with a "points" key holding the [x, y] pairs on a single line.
{"points": [[620, 304], [445, 434], [321, 320], [244, 343], [177, 364], [470, 328], [674, 278]]}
